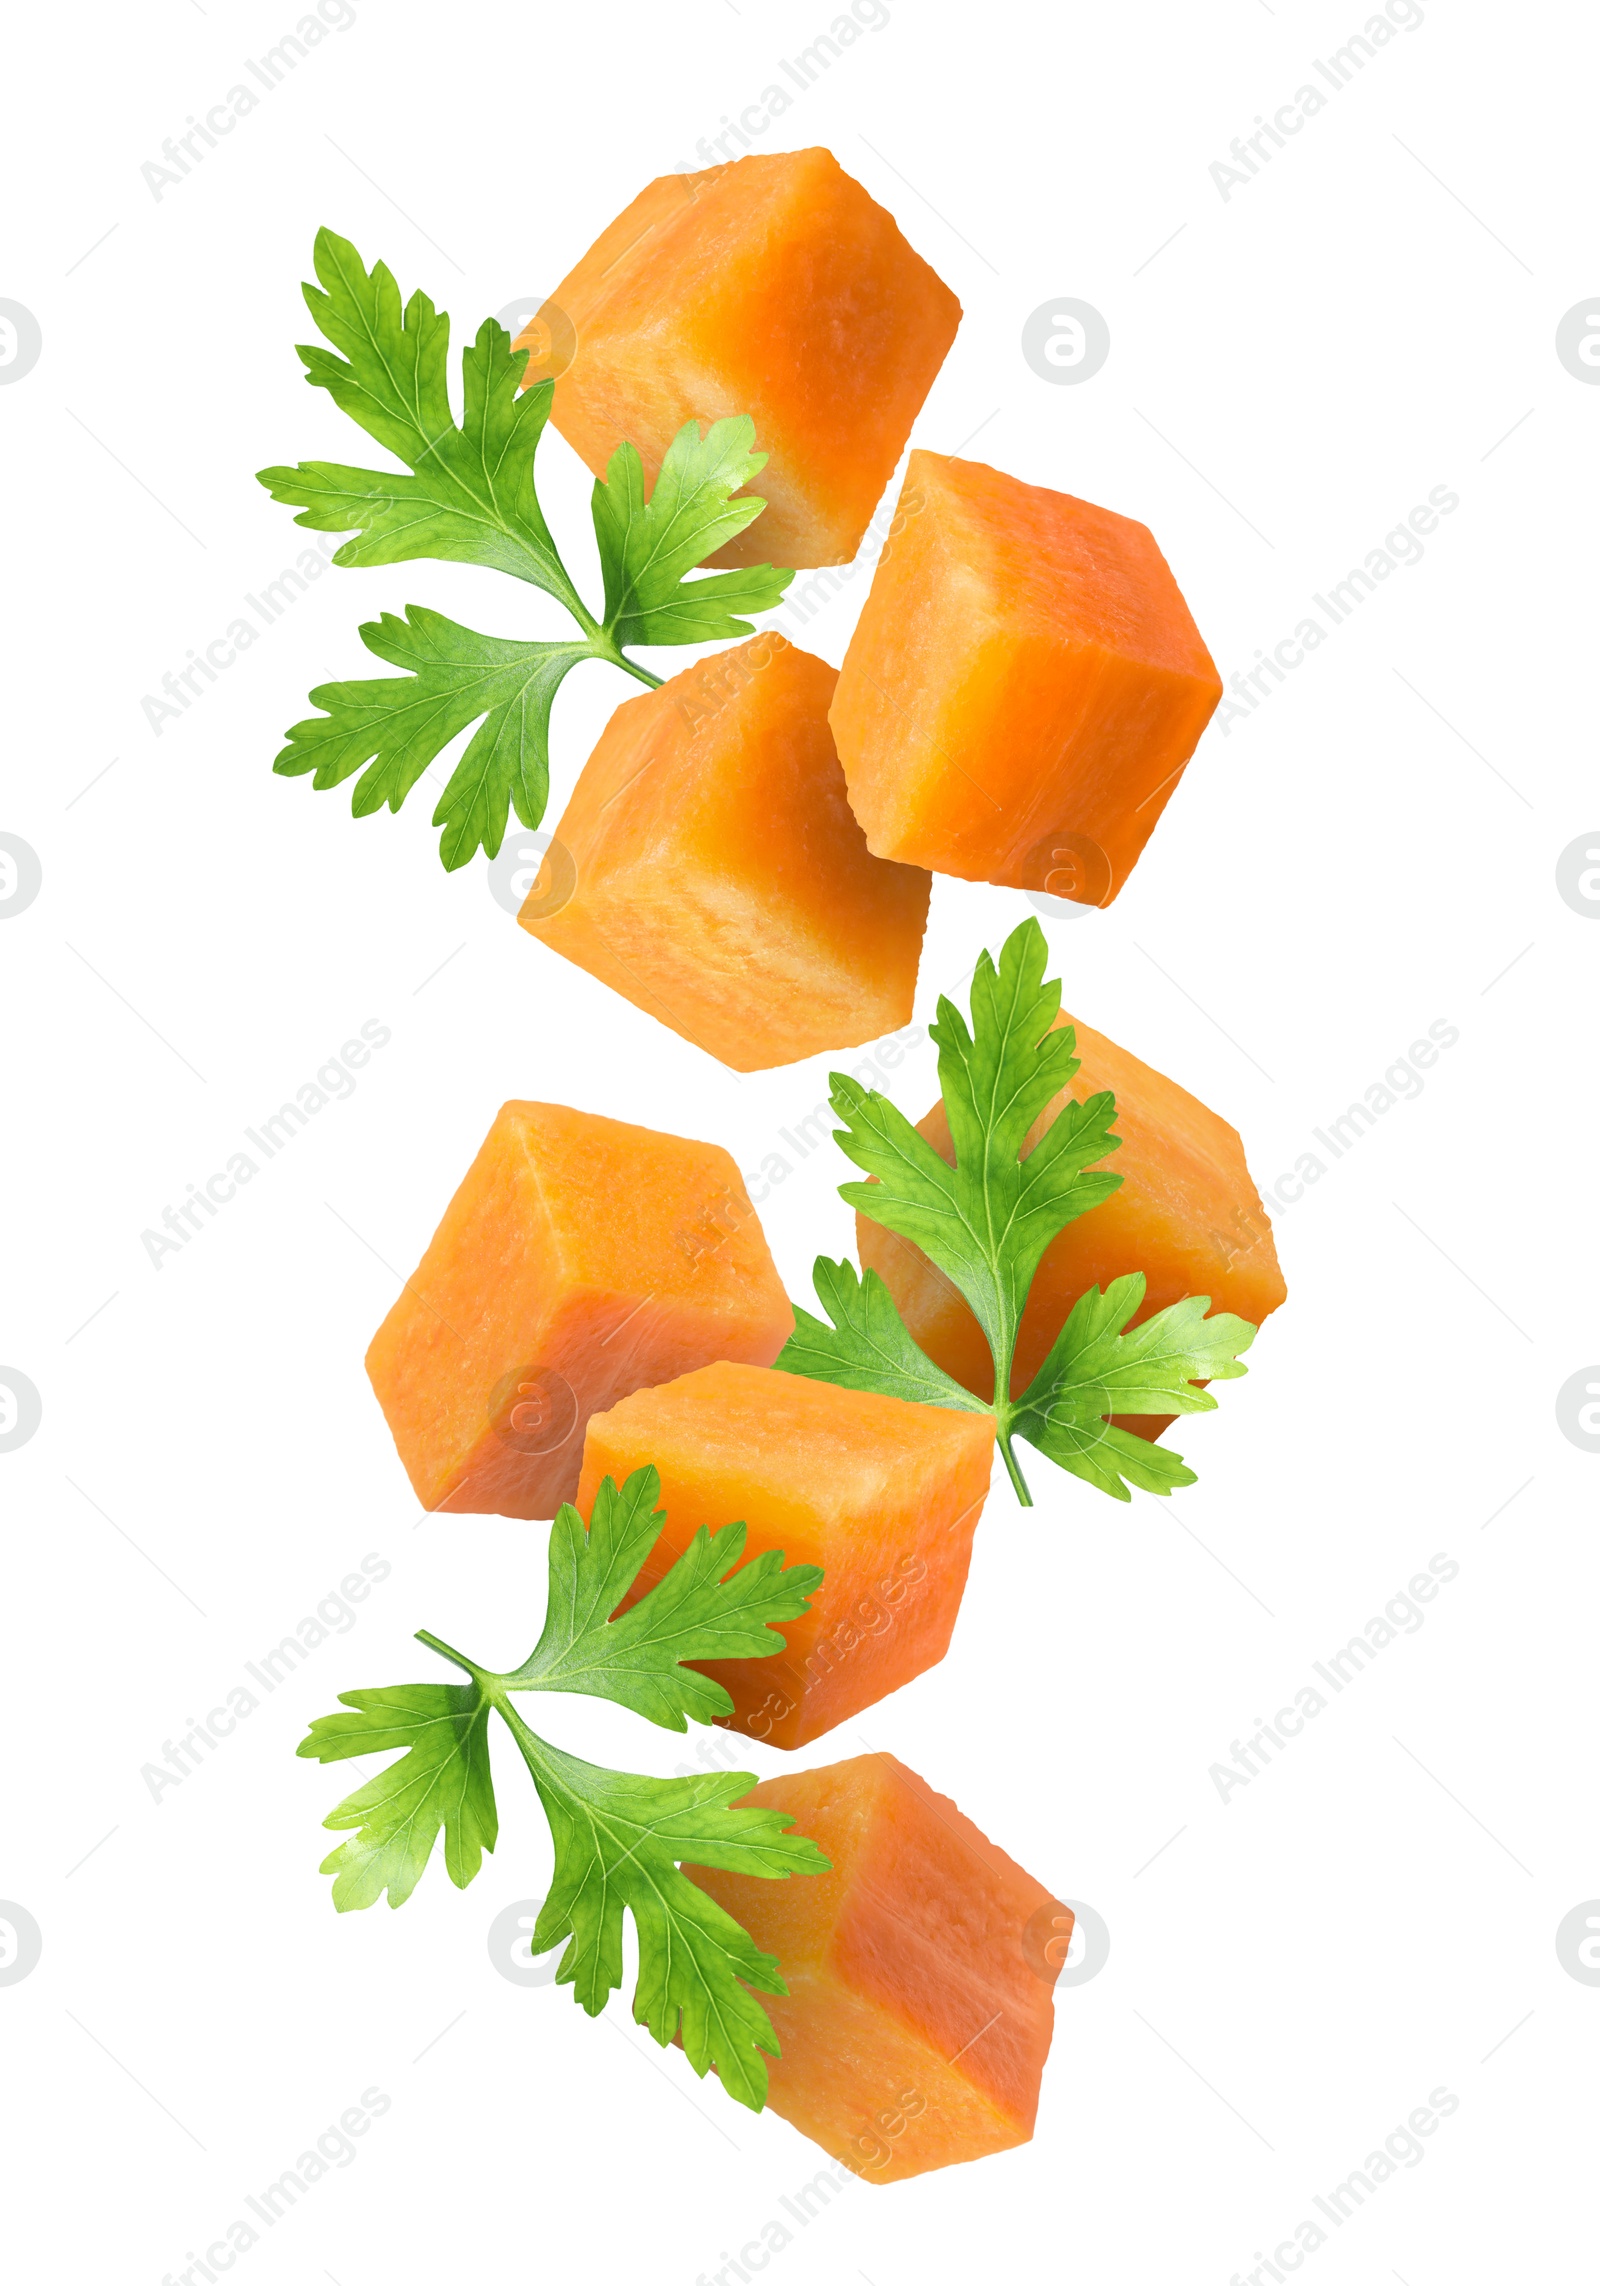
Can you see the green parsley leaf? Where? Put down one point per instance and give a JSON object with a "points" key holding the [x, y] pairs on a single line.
{"points": [[647, 547], [470, 498], [986, 1222], [694, 1612], [618, 1844], [618, 1839], [399, 724], [1095, 1368], [442, 1779], [467, 495]]}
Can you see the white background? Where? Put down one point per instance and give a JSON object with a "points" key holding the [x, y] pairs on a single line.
{"points": [[1371, 316]]}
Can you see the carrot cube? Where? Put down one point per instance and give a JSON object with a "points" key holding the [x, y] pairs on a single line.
{"points": [[920, 1973], [774, 287], [1023, 688], [1187, 1214], [715, 875], [883, 1495], [579, 1259]]}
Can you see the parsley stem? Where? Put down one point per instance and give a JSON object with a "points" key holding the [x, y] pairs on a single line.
{"points": [[1018, 1481], [457, 1658]]}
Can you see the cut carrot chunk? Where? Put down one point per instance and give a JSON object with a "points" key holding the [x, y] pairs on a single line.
{"points": [[1187, 1215], [714, 873], [1023, 688], [883, 1495], [579, 1259], [774, 287], [920, 1969]]}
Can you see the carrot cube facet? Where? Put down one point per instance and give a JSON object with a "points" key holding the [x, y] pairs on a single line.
{"points": [[710, 868], [1023, 688], [883, 1495], [920, 1971], [579, 1259], [775, 287]]}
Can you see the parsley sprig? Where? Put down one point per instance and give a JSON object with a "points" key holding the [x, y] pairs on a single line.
{"points": [[619, 1839], [986, 1222], [468, 496]]}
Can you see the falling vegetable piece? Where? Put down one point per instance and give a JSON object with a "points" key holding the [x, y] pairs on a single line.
{"points": [[1023, 688], [777, 287], [579, 1259], [714, 873], [920, 1970]]}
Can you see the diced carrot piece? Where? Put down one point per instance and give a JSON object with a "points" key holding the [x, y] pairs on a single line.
{"points": [[579, 1259], [1023, 687], [774, 287], [920, 1969], [883, 1495], [715, 875], [1187, 1215]]}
